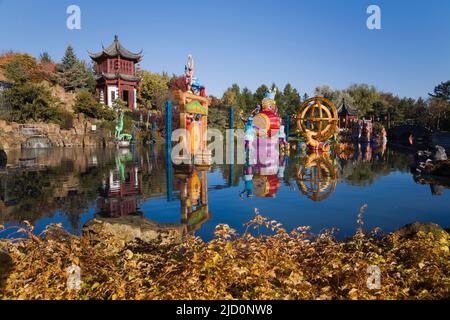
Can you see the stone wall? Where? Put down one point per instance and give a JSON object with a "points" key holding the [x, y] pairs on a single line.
{"points": [[13, 135]]}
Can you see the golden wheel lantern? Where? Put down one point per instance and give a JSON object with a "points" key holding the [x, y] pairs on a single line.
{"points": [[317, 120]]}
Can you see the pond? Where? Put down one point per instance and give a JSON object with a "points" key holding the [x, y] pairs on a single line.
{"points": [[73, 186]]}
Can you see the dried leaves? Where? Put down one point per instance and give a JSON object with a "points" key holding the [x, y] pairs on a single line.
{"points": [[282, 265]]}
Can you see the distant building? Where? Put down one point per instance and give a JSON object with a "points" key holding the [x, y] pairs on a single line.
{"points": [[116, 74], [346, 115]]}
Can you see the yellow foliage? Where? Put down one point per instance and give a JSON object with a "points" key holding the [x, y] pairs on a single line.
{"points": [[295, 265]]}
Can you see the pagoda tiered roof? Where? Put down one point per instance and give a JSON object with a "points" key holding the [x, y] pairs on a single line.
{"points": [[115, 76], [344, 110], [116, 50]]}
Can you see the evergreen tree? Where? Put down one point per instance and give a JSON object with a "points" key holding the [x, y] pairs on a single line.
{"points": [[74, 74], [439, 111], [70, 59], [248, 100], [154, 90], [305, 97], [439, 106], [31, 101], [259, 94], [442, 91], [289, 100], [45, 58]]}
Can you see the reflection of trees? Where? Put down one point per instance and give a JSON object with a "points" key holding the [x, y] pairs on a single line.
{"points": [[234, 170], [28, 195], [358, 165], [152, 169], [67, 186], [367, 165], [69, 183]]}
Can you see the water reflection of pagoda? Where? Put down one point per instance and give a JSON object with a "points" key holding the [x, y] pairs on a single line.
{"points": [[120, 192]]}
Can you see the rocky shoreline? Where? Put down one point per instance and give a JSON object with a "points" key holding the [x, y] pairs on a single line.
{"points": [[14, 136], [432, 163]]}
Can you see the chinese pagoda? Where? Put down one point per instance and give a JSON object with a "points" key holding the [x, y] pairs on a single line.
{"points": [[116, 74], [346, 115]]}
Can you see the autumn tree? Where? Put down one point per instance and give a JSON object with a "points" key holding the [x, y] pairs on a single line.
{"points": [[325, 91], [28, 98], [229, 97], [20, 68], [154, 90], [364, 96]]}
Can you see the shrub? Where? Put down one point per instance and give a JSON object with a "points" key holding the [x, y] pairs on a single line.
{"points": [[280, 265], [86, 103], [19, 68], [28, 101]]}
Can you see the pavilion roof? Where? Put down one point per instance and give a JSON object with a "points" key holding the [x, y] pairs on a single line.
{"points": [[115, 76], [344, 110], [115, 50]]}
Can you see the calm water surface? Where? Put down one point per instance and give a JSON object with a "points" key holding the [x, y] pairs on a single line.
{"points": [[72, 186]]}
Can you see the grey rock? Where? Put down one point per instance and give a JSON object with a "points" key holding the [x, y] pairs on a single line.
{"points": [[440, 154], [130, 228], [411, 230]]}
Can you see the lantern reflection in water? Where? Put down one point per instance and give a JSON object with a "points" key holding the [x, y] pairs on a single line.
{"points": [[193, 185], [317, 176], [263, 179]]}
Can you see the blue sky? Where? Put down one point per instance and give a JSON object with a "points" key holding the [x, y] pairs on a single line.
{"points": [[250, 42]]}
